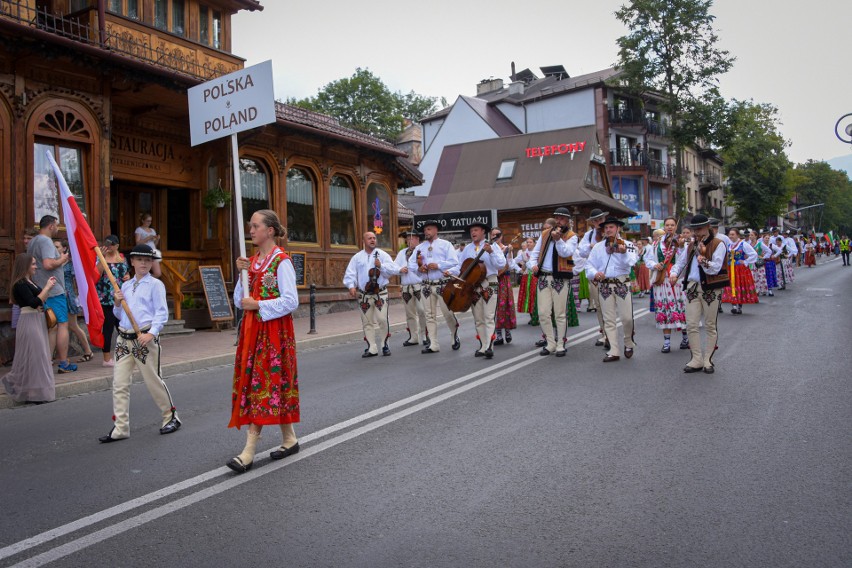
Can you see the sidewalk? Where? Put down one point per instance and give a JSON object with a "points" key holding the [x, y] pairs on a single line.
{"points": [[206, 348]]}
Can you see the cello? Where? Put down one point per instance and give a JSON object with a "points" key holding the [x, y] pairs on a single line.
{"points": [[458, 294]]}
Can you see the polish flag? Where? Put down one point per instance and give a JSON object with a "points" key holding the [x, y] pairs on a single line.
{"points": [[82, 243]]}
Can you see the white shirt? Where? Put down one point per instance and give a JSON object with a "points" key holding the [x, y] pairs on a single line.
{"points": [[584, 248], [750, 253], [149, 232], [410, 277], [724, 238], [288, 299], [146, 298], [714, 264], [613, 264], [792, 247], [564, 248], [652, 257], [439, 251], [494, 261], [357, 272]]}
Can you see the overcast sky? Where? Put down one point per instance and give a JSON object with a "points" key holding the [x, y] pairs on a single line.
{"points": [[795, 56]]}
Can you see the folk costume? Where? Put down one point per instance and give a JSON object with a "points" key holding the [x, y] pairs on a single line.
{"points": [[758, 272], [442, 253], [643, 273], [742, 290], [415, 317], [527, 291], [373, 303], [810, 256], [614, 289], [770, 267], [669, 304], [146, 298], [505, 318], [266, 387], [702, 295], [584, 249], [486, 296], [553, 257], [792, 251]]}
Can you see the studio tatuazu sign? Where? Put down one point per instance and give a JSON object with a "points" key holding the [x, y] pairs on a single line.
{"points": [[555, 149], [232, 103]]}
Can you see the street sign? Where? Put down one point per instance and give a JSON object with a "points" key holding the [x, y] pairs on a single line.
{"points": [[643, 218], [232, 103]]}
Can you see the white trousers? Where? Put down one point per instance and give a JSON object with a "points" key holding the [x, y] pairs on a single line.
{"points": [[552, 297], [415, 316], [483, 313], [129, 356], [701, 303], [595, 302], [374, 320], [432, 302], [617, 302]]}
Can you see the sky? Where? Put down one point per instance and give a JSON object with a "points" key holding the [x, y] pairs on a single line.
{"points": [[795, 56]]}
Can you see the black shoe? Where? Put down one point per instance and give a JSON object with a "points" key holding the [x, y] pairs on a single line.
{"points": [[171, 426], [684, 344], [427, 350], [710, 370], [489, 353], [544, 351], [408, 343], [108, 438], [426, 343], [456, 344], [561, 353], [666, 349], [386, 351], [541, 343], [498, 341], [734, 311], [366, 354], [599, 343], [611, 358], [282, 453], [508, 337], [689, 369], [628, 352], [237, 465], [479, 354]]}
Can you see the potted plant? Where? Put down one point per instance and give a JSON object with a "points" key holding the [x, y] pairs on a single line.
{"points": [[216, 197], [194, 313]]}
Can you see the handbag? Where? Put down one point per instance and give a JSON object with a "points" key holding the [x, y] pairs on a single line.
{"points": [[50, 318]]}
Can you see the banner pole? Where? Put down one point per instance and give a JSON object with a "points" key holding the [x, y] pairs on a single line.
{"points": [[238, 204]]}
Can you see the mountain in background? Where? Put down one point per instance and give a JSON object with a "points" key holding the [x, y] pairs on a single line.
{"points": [[842, 163]]}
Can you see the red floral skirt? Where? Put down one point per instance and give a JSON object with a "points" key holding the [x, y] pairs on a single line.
{"points": [[744, 283]]}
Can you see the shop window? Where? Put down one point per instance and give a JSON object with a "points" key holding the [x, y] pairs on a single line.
{"points": [[341, 212], [378, 214], [70, 159], [507, 169], [301, 206], [254, 184]]}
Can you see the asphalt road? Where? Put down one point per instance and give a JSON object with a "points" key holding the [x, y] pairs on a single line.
{"points": [[448, 460]]}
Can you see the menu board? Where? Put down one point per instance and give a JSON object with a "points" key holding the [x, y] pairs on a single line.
{"points": [[218, 300], [298, 259]]}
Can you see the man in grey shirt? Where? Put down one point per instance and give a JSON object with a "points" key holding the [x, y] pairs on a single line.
{"points": [[49, 262]]}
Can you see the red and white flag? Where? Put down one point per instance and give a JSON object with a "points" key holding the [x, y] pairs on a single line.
{"points": [[82, 243]]}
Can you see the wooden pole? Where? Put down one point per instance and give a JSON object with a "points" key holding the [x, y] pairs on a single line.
{"points": [[115, 286], [238, 205]]}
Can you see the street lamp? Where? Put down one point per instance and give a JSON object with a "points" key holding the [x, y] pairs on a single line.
{"points": [[847, 129]]}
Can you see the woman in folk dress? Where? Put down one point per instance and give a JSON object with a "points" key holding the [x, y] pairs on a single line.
{"points": [[757, 271], [741, 254], [669, 305]]}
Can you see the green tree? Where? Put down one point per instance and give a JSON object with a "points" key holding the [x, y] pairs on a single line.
{"points": [[671, 50], [816, 182], [757, 169], [364, 103]]}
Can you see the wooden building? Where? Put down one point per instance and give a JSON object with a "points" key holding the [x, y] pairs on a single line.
{"points": [[102, 84]]}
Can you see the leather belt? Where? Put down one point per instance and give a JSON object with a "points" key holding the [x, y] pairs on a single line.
{"points": [[131, 335]]}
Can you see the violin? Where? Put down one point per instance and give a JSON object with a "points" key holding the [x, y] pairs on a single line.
{"points": [[372, 286], [612, 243], [420, 261]]}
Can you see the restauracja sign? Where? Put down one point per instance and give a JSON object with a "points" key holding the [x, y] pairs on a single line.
{"points": [[555, 149]]}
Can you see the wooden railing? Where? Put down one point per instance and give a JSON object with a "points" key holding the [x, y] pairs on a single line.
{"points": [[174, 281]]}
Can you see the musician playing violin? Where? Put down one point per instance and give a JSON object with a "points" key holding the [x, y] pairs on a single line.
{"points": [[591, 237], [415, 317], [367, 279], [551, 260], [609, 267], [436, 261], [485, 296]]}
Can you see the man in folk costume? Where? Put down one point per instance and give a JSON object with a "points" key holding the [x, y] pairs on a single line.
{"points": [[435, 260], [415, 317], [366, 277], [609, 266], [593, 235], [484, 305], [704, 260], [146, 300], [552, 263], [504, 318]]}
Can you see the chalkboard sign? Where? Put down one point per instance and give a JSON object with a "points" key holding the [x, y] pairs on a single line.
{"points": [[298, 259], [218, 300]]}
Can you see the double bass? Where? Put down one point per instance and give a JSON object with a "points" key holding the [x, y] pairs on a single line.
{"points": [[458, 294]]}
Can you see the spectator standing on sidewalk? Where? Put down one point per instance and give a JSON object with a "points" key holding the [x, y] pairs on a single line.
{"points": [[121, 272], [31, 377], [50, 263], [74, 308], [266, 388], [16, 309], [145, 234]]}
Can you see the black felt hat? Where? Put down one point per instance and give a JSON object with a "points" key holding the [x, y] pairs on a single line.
{"points": [[613, 221], [143, 250], [596, 214], [484, 225], [429, 222], [562, 212], [699, 221]]}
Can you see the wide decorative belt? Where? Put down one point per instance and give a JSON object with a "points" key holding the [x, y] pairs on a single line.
{"points": [[616, 280], [545, 273], [131, 335], [363, 293], [435, 282]]}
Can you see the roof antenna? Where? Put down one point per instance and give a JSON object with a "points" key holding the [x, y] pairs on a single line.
{"points": [[513, 70]]}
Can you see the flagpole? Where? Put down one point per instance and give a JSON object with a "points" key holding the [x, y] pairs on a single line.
{"points": [[238, 199], [115, 286]]}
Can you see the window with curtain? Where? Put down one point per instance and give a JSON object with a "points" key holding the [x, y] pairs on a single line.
{"points": [[301, 209], [659, 202], [204, 25], [115, 6], [254, 184], [133, 9], [161, 14], [342, 212], [69, 157], [378, 214], [178, 17], [217, 29]]}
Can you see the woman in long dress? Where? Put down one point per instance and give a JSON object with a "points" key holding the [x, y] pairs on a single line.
{"points": [[757, 271], [669, 305], [31, 377], [528, 287], [741, 291], [810, 255], [265, 388]]}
